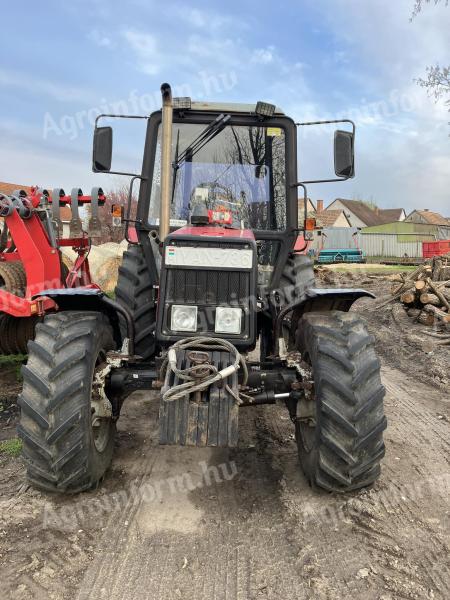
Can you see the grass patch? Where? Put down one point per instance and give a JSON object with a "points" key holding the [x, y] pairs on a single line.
{"points": [[11, 447], [370, 268], [14, 361]]}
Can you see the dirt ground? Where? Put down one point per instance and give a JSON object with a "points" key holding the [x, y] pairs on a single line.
{"points": [[203, 524]]}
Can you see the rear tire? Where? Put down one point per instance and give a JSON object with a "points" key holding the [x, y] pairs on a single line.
{"points": [[297, 276], [62, 449], [135, 291], [340, 434]]}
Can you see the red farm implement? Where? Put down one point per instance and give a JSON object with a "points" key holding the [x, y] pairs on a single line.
{"points": [[31, 261]]}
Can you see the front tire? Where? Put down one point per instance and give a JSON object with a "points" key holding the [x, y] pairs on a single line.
{"points": [[339, 432], [65, 448]]}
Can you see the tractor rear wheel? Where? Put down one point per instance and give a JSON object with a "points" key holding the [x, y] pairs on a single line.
{"points": [[135, 291], [339, 424], [67, 444], [297, 276]]}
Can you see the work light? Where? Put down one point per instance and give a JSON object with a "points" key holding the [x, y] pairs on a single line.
{"points": [[183, 318], [181, 103], [228, 320], [264, 109]]}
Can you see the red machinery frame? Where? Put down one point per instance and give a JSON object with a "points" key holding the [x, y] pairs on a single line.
{"points": [[40, 259]]}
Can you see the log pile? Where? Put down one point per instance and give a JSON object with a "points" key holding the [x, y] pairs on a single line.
{"points": [[425, 292]]}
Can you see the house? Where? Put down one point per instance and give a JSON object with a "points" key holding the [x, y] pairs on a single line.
{"points": [[65, 214], [428, 217], [9, 188], [331, 218], [410, 229], [361, 215], [391, 215], [301, 208]]}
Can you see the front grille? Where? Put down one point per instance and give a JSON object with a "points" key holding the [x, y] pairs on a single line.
{"points": [[207, 287]]}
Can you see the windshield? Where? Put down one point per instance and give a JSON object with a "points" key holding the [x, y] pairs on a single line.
{"points": [[240, 171]]}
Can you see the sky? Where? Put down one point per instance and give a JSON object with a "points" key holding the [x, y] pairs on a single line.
{"points": [[63, 63]]}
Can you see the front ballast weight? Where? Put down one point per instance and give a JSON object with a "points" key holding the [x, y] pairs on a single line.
{"points": [[200, 396]]}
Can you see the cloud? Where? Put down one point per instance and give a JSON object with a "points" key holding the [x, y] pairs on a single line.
{"points": [[100, 39], [402, 135], [263, 55], [37, 86], [145, 47], [204, 19]]}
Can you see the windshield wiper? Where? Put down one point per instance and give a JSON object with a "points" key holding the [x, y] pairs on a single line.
{"points": [[205, 136]]}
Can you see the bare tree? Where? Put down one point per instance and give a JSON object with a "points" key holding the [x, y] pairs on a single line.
{"points": [[252, 146], [116, 196], [419, 3], [437, 81]]}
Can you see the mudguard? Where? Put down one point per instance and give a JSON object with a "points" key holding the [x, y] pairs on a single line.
{"points": [[319, 299], [93, 298]]}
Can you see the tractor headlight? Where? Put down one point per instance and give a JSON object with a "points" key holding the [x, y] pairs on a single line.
{"points": [[228, 320], [183, 318]]}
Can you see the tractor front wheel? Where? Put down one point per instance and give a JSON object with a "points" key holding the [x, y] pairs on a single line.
{"points": [[339, 424], [67, 440]]}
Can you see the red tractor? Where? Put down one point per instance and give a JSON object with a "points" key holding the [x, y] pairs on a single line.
{"points": [[214, 309]]}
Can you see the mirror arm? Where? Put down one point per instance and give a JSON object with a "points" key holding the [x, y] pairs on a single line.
{"points": [[122, 173], [127, 217], [301, 183], [328, 123], [305, 215], [111, 116]]}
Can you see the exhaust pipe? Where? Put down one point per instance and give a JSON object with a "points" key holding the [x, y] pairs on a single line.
{"points": [[166, 155]]}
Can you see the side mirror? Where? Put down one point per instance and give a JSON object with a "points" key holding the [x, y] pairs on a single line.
{"points": [[344, 155], [102, 149]]}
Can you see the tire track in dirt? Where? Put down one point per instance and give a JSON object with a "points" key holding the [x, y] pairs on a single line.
{"points": [[266, 534], [414, 539], [231, 539]]}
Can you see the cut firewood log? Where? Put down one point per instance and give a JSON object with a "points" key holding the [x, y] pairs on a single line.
{"points": [[405, 287], [421, 285], [438, 293], [445, 273], [437, 268], [423, 269], [426, 318], [395, 277], [408, 297], [427, 298], [437, 312], [396, 288]]}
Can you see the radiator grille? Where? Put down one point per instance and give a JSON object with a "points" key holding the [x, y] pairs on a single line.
{"points": [[207, 287]]}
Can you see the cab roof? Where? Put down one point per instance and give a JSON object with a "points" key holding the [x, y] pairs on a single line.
{"points": [[228, 107]]}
